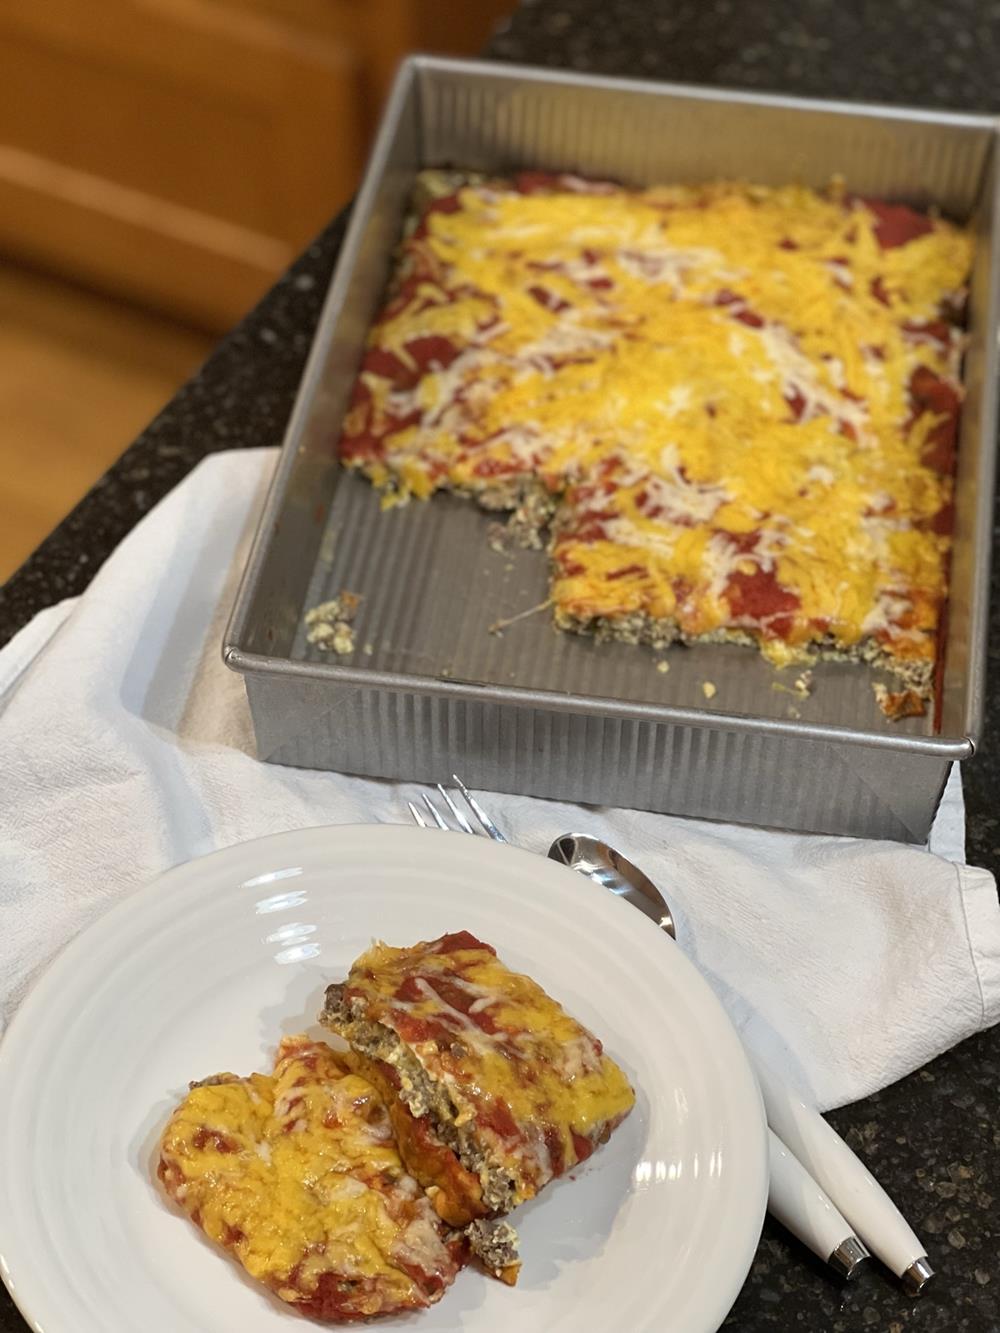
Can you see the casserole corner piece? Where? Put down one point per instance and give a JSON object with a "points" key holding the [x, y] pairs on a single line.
{"points": [[494, 1090]]}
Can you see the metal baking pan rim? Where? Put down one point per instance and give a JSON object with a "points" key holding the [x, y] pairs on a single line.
{"points": [[955, 746], [699, 92], [940, 747], [979, 625]]}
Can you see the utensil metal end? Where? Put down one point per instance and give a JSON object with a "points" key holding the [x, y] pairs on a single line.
{"points": [[917, 1276], [848, 1257], [478, 810]]}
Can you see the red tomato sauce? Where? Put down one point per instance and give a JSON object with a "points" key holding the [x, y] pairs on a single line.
{"points": [[582, 1146], [761, 599], [930, 393], [461, 939], [896, 224]]}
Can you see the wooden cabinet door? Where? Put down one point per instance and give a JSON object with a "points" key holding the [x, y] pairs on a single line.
{"points": [[178, 152]]}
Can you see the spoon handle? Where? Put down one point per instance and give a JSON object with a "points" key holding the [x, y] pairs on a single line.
{"points": [[824, 1154]]}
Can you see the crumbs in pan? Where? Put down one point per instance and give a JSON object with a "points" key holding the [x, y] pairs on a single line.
{"points": [[329, 625]]}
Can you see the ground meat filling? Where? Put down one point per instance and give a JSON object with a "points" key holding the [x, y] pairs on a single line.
{"points": [[422, 1095], [494, 1243], [641, 628]]}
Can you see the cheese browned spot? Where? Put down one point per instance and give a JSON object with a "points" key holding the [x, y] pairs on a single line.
{"points": [[297, 1174], [896, 704], [496, 1089], [740, 402]]}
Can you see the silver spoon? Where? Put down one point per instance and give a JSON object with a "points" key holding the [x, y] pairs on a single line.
{"points": [[803, 1193], [613, 871]]}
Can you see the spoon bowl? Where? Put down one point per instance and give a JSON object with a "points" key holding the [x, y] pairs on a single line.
{"points": [[613, 871]]}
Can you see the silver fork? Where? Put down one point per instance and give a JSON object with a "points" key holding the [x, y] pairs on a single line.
{"points": [[487, 826]]}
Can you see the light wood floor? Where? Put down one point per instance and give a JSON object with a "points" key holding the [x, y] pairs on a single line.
{"points": [[80, 375]]}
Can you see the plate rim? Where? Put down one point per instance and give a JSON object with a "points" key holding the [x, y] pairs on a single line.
{"points": [[44, 992]]}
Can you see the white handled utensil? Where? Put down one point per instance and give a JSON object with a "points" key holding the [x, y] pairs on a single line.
{"points": [[818, 1147], [862, 1199], [804, 1208]]}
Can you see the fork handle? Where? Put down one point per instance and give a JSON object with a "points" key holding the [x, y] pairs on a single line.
{"points": [[806, 1210]]}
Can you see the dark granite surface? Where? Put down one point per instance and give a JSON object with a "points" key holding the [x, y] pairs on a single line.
{"points": [[934, 1138]]}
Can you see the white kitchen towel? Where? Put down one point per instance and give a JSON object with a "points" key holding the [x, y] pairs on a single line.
{"points": [[127, 748]]}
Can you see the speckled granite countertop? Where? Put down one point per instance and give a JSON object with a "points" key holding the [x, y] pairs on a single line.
{"points": [[934, 1138]]}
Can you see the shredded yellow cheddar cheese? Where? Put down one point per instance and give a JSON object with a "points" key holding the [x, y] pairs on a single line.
{"points": [[743, 401], [298, 1174]]}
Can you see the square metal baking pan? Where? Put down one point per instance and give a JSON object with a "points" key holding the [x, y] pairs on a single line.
{"points": [[429, 689]]}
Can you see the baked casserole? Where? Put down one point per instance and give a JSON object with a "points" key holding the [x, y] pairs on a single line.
{"points": [[493, 1088], [297, 1174], [730, 411]]}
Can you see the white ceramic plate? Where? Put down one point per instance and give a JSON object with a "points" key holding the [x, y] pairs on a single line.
{"points": [[206, 967]]}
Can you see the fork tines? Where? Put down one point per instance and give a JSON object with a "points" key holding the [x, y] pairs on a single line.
{"points": [[457, 814]]}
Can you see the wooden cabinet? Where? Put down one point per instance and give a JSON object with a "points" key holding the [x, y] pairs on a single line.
{"points": [[179, 152]]}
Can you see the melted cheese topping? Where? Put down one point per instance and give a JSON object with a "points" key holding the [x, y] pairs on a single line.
{"points": [[297, 1173], [717, 381], [537, 1084]]}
